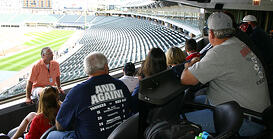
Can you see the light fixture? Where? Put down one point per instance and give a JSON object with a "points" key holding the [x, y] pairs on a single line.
{"points": [[256, 2]]}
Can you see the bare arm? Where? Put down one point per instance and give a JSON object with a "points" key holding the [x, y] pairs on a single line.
{"points": [[187, 78], [22, 127], [28, 91], [58, 83]]}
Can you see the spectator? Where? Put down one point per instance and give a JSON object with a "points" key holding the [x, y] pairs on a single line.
{"points": [[175, 56], [154, 63], [261, 39], [264, 48], [48, 107], [233, 72], [92, 109], [175, 59], [128, 78], [191, 49], [45, 72]]}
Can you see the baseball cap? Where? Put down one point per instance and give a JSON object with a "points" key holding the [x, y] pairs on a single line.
{"points": [[249, 18], [219, 20], [129, 68]]}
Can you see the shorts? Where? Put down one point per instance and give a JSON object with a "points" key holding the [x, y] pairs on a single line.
{"points": [[36, 92]]}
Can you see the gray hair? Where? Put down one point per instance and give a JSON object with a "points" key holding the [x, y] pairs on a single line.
{"points": [[224, 33], [43, 51], [93, 62]]}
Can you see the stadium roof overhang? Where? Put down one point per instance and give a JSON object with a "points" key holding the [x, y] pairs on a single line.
{"points": [[265, 5]]}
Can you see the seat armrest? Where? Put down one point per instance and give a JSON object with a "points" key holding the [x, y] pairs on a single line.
{"points": [[44, 136]]}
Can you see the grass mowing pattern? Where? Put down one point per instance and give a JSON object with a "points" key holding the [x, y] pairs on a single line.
{"points": [[54, 39]]}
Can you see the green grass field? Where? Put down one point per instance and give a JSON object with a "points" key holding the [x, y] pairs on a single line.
{"points": [[54, 39]]}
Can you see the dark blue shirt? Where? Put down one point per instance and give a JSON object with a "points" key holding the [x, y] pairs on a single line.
{"points": [[263, 43], [178, 69], [95, 107]]}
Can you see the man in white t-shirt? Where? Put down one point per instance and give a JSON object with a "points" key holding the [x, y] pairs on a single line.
{"points": [[128, 79]]}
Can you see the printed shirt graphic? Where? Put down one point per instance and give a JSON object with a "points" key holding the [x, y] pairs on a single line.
{"points": [[95, 107]]}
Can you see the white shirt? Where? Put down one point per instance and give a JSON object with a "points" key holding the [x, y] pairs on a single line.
{"points": [[130, 81]]}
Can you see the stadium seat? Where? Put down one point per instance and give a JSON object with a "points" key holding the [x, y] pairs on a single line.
{"points": [[44, 136], [127, 129]]}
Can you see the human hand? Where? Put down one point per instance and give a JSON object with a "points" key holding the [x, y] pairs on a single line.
{"points": [[193, 60], [60, 90], [28, 101]]}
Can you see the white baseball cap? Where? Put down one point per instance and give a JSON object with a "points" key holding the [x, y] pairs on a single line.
{"points": [[249, 18], [219, 20]]}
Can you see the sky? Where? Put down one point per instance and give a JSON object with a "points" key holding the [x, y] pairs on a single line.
{"points": [[59, 4], [90, 3]]}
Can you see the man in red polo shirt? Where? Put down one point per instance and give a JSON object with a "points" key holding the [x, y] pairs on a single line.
{"points": [[45, 72]]}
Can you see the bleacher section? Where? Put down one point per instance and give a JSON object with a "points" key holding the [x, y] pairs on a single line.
{"points": [[20, 19], [121, 39], [82, 19], [68, 19], [189, 22]]}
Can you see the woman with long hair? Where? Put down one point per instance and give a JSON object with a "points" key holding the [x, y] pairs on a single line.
{"points": [[155, 62], [48, 107]]}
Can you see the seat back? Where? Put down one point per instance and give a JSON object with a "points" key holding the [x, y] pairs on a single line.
{"points": [[126, 130], [3, 136], [160, 88], [228, 118]]}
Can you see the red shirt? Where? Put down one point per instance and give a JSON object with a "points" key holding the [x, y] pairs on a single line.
{"points": [[38, 126], [192, 55], [41, 76]]}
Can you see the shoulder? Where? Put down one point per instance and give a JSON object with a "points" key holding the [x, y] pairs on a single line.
{"points": [[119, 81], [53, 62], [81, 86], [122, 78], [38, 117], [38, 63]]}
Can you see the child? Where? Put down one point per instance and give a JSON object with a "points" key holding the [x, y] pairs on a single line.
{"points": [[191, 49], [48, 107], [175, 56]]}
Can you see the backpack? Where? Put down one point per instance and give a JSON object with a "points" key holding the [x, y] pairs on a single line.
{"points": [[178, 129]]}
